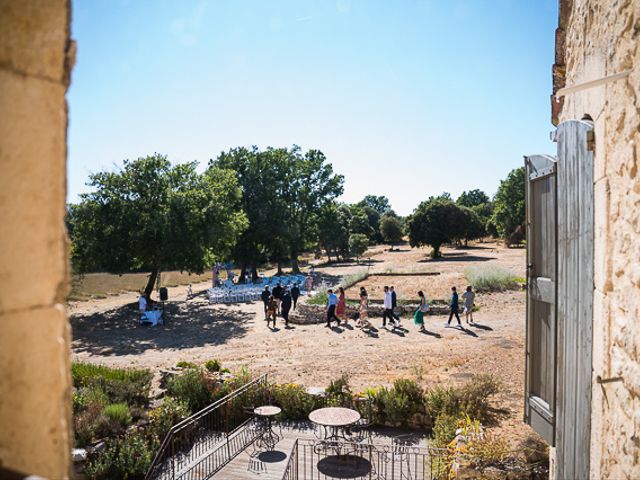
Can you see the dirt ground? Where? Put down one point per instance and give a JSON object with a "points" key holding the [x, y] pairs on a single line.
{"points": [[106, 331]]}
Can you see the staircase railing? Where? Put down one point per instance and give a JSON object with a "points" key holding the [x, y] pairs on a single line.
{"points": [[203, 443]]}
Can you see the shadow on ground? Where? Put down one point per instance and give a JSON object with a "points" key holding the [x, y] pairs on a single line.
{"points": [[192, 324], [457, 257]]}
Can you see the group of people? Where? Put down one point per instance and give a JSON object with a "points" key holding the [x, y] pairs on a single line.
{"points": [[279, 302], [336, 308]]}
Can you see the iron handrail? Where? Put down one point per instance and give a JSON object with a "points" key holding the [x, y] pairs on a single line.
{"points": [[162, 453]]}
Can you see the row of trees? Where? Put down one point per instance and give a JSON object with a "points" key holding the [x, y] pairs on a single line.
{"points": [[254, 206], [440, 220]]}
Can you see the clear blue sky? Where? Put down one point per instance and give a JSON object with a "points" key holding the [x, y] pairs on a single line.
{"points": [[406, 98]]}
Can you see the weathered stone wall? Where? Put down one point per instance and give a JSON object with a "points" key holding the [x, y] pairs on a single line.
{"points": [[601, 39], [35, 405]]}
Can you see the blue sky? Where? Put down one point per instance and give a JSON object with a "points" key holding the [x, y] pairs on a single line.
{"points": [[406, 98]]}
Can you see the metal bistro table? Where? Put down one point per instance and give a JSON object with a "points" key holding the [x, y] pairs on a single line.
{"points": [[333, 421], [267, 438]]}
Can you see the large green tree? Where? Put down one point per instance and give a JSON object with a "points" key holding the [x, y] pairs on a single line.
{"points": [[152, 215], [333, 230], [310, 186], [472, 198], [509, 204], [379, 203], [391, 229], [358, 244], [260, 178], [435, 222]]}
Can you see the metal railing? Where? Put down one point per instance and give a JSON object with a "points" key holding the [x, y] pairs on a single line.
{"points": [[318, 460], [202, 444]]}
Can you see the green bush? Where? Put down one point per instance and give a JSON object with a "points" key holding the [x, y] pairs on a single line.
{"points": [[339, 391], [117, 415], [183, 364], [213, 365], [397, 404], [124, 458], [444, 430], [492, 279], [471, 399], [319, 298], [474, 396], [130, 386], [166, 416], [295, 402], [190, 387]]}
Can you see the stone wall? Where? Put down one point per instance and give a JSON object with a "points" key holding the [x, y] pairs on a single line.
{"points": [[601, 38], [35, 405]]}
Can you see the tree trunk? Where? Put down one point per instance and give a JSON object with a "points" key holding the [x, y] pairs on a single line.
{"points": [[295, 267], [254, 273], [279, 272], [242, 273], [153, 276]]}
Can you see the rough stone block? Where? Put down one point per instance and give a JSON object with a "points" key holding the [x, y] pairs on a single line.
{"points": [[33, 36], [38, 411], [33, 249]]}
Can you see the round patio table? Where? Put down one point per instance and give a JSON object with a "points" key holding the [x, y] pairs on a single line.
{"points": [[267, 438], [333, 420]]}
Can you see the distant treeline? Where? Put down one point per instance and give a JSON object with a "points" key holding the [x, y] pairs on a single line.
{"points": [[254, 206]]}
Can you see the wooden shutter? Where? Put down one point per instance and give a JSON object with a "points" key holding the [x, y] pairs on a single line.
{"points": [[540, 373], [575, 298]]}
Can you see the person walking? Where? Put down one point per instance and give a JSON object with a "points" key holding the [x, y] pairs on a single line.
{"points": [[295, 294], [272, 307], [265, 295], [332, 303], [363, 310], [394, 305], [453, 308], [388, 309], [277, 295], [469, 300], [418, 316], [341, 309], [285, 307]]}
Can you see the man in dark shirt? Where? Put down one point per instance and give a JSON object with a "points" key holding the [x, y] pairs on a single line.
{"points": [[265, 299], [285, 306], [277, 295], [453, 308], [394, 305], [295, 294]]}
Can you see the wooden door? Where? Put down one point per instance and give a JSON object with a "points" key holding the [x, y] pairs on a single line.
{"points": [[575, 298], [540, 378]]}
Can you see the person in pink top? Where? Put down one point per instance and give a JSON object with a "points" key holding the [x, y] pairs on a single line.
{"points": [[341, 309]]}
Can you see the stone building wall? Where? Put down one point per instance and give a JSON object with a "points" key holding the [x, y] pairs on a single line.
{"points": [[598, 38], [35, 386]]}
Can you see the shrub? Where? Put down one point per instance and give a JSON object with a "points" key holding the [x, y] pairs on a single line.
{"points": [[190, 387], [296, 403], [319, 298], [410, 389], [120, 385], [127, 458], [444, 430], [474, 396], [117, 415], [470, 399], [166, 416], [87, 424], [183, 364], [339, 391], [491, 279], [213, 365]]}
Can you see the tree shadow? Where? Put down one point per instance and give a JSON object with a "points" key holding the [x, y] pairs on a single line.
{"points": [[456, 257], [117, 332]]}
